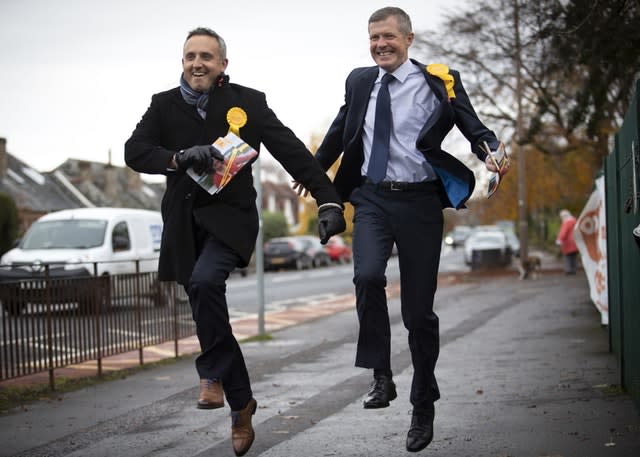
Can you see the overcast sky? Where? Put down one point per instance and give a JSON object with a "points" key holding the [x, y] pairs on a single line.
{"points": [[77, 75]]}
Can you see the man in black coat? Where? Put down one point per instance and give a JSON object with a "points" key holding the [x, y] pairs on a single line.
{"points": [[206, 236], [400, 111]]}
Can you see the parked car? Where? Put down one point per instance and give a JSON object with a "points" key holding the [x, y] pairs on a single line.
{"points": [[457, 236], [487, 248], [507, 228], [78, 250], [316, 250], [514, 242], [286, 252], [338, 249]]}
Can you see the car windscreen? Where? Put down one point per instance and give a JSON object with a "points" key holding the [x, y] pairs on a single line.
{"points": [[498, 238], [65, 234]]}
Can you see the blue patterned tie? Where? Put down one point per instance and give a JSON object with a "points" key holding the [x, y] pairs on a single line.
{"points": [[381, 133]]}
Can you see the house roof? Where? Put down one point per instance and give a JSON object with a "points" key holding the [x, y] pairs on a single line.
{"points": [[35, 191], [108, 185], [81, 183]]}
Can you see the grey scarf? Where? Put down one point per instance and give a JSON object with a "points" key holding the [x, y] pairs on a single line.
{"points": [[198, 99]]}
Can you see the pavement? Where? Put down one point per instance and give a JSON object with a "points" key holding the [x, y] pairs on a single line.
{"points": [[524, 370]]}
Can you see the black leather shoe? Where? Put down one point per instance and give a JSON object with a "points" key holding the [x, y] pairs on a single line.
{"points": [[421, 431], [383, 390]]}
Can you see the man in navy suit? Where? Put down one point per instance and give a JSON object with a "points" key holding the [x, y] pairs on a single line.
{"points": [[401, 203]]}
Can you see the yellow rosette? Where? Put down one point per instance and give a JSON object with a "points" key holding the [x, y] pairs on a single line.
{"points": [[442, 71], [237, 118]]}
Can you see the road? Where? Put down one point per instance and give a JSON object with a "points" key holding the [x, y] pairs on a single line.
{"points": [[283, 289], [291, 288], [524, 371], [152, 414]]}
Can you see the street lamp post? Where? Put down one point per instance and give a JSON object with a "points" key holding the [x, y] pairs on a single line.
{"points": [[519, 149], [259, 251]]}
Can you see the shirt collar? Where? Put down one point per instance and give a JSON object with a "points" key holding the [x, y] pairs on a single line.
{"points": [[401, 73]]}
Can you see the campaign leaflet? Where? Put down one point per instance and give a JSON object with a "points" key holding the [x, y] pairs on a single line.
{"points": [[236, 154], [500, 159]]}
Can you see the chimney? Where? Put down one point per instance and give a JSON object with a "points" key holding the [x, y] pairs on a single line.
{"points": [[111, 179], [111, 182], [4, 158], [134, 180]]}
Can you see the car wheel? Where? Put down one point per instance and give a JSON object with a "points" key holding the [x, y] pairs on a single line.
{"points": [[94, 293], [475, 260]]}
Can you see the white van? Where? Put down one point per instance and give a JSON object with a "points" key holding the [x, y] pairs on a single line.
{"points": [[86, 242], [112, 237]]}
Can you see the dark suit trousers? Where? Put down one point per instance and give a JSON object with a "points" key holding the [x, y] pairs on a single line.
{"points": [[220, 356], [414, 221]]}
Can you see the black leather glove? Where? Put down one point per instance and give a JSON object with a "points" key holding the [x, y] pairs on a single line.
{"points": [[200, 158], [330, 221]]}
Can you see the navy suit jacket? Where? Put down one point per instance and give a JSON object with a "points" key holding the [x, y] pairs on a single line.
{"points": [[345, 136]]}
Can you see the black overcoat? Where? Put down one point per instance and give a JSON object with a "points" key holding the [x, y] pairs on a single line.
{"points": [[169, 125]]}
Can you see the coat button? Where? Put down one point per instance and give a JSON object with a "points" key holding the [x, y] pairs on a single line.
{"points": [[188, 196]]}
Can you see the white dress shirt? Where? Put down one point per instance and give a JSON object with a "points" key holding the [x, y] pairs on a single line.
{"points": [[412, 102]]}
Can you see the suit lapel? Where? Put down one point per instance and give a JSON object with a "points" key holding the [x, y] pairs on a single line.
{"points": [[184, 106], [363, 87], [435, 83], [221, 99], [359, 100], [437, 86]]}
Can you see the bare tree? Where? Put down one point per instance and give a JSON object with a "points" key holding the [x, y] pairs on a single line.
{"points": [[579, 61]]}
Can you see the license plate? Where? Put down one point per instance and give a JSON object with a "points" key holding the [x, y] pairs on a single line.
{"points": [[277, 260]]}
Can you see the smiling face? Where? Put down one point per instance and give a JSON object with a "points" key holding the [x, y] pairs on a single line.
{"points": [[202, 62], [389, 46]]}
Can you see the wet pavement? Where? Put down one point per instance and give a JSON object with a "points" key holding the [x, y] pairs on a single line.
{"points": [[524, 370]]}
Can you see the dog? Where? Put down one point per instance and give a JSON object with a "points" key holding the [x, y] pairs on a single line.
{"points": [[530, 267]]}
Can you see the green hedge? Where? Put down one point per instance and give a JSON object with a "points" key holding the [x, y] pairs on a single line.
{"points": [[9, 222]]}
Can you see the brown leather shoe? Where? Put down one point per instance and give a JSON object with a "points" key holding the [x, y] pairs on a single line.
{"points": [[211, 396], [242, 433]]}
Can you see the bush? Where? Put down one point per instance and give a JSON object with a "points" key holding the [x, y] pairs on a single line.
{"points": [[274, 224], [312, 226], [9, 222]]}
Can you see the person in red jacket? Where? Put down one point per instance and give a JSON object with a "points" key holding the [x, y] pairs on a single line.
{"points": [[567, 243]]}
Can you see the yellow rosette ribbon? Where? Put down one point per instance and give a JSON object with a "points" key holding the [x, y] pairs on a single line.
{"points": [[237, 118], [442, 71], [226, 177]]}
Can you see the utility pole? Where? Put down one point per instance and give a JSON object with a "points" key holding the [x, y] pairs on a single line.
{"points": [[517, 147], [257, 178]]}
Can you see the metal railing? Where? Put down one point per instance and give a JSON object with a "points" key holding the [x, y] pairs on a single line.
{"points": [[50, 322]]}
